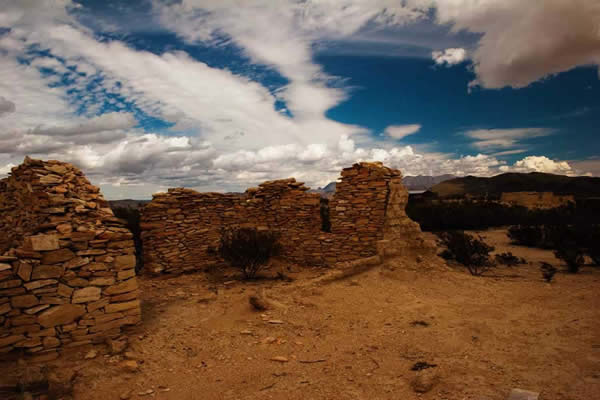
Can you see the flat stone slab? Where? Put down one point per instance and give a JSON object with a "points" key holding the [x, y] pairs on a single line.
{"points": [[520, 394]]}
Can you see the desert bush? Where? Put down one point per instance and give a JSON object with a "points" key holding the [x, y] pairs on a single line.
{"points": [[548, 271], [248, 249], [435, 215], [131, 216], [526, 235], [571, 254], [509, 259], [468, 250]]}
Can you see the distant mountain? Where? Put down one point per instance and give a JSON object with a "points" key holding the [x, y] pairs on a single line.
{"points": [[127, 203], [580, 187], [412, 183], [424, 182]]}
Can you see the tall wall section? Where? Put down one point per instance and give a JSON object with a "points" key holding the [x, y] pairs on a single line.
{"points": [[181, 228], [67, 265]]}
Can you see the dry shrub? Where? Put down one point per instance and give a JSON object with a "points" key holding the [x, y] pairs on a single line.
{"points": [[468, 250], [248, 249]]}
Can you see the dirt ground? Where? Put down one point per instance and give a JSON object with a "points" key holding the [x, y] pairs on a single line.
{"points": [[358, 338]]}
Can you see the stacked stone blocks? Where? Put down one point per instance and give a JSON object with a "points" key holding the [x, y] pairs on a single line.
{"points": [[67, 265], [181, 228]]}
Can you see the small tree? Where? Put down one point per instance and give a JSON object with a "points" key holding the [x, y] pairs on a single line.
{"points": [[548, 271], [248, 249], [571, 254], [472, 252]]}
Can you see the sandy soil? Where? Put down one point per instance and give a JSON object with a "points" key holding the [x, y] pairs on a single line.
{"points": [[358, 338]]}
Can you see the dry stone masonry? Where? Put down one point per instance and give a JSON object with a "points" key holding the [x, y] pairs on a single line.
{"points": [[181, 228], [67, 265]]}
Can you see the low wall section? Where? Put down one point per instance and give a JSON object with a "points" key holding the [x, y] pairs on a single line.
{"points": [[181, 228]]}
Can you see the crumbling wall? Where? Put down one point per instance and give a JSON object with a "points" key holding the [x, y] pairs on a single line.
{"points": [[67, 265], [181, 228]]}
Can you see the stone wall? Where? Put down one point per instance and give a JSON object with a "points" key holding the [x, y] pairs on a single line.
{"points": [[67, 265], [181, 228]]}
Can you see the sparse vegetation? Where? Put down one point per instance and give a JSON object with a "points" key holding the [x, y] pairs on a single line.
{"points": [[548, 271], [434, 215], [468, 250], [569, 252], [509, 259], [248, 249]]}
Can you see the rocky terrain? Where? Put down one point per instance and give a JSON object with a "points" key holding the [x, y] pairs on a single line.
{"points": [[391, 332], [379, 317]]}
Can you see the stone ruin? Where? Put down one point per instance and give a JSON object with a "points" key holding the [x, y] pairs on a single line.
{"points": [[67, 265], [181, 229]]}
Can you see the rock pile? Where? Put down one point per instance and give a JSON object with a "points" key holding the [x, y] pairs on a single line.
{"points": [[181, 228], [67, 274]]}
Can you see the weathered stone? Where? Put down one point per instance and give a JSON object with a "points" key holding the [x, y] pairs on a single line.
{"points": [[76, 262], [125, 262], [4, 308], [86, 295], [60, 315], [118, 307], [44, 242], [8, 340], [50, 342], [56, 256], [38, 284], [125, 274], [36, 309], [24, 301], [10, 284], [123, 287], [102, 281], [47, 271], [24, 270]]}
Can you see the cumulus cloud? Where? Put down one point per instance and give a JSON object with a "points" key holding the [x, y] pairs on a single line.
{"points": [[493, 139], [401, 131], [235, 136], [540, 164], [6, 106], [102, 123], [524, 41], [449, 57]]}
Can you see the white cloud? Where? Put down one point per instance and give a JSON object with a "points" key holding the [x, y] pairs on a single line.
{"points": [[4, 170], [235, 136], [401, 131], [493, 139], [540, 164], [450, 56], [102, 123], [6, 106], [524, 41]]}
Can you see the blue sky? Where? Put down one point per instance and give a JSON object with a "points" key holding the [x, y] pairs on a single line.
{"points": [[148, 94]]}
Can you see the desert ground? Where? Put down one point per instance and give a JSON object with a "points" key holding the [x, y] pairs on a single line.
{"points": [[359, 337]]}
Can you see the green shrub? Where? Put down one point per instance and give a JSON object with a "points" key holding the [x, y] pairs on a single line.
{"points": [[509, 259], [571, 254], [465, 249], [248, 249]]}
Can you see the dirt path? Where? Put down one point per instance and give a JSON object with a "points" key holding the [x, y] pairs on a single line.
{"points": [[359, 338]]}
